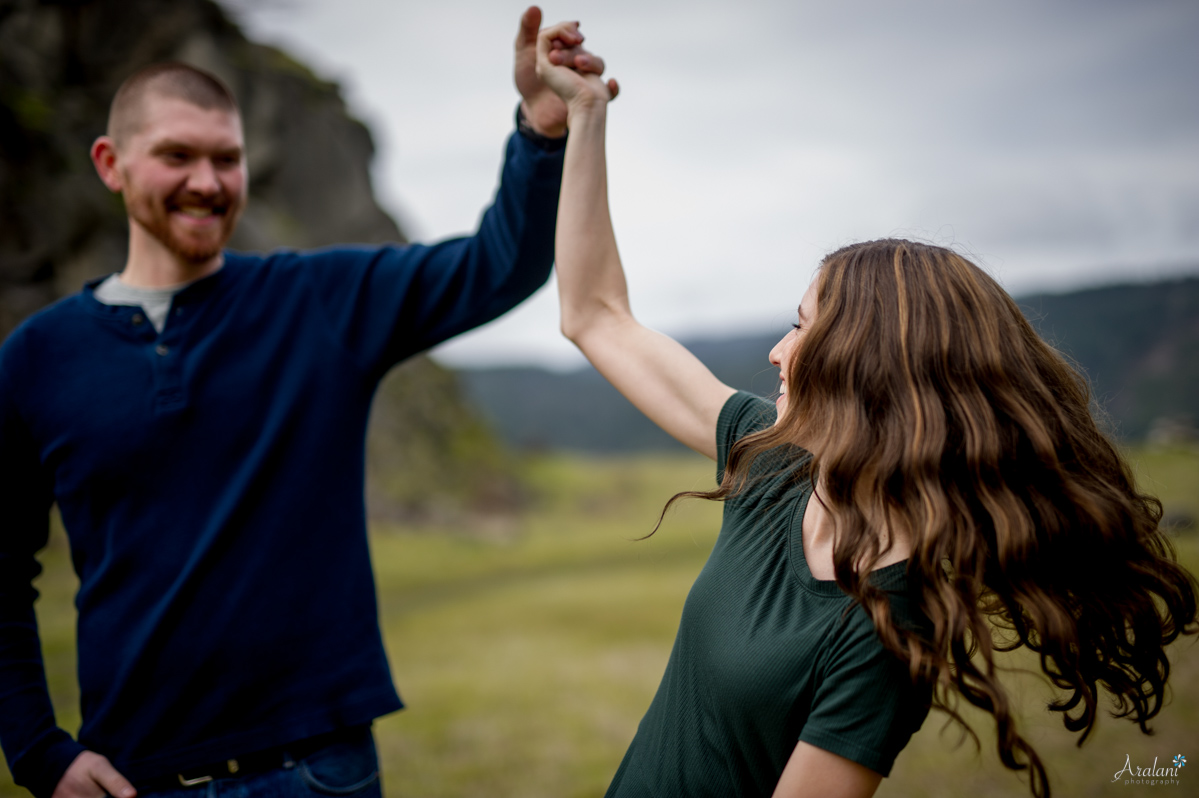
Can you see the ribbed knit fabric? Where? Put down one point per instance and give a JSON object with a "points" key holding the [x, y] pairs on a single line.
{"points": [[767, 655]]}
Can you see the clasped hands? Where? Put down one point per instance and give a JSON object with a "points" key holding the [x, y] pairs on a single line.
{"points": [[553, 69]]}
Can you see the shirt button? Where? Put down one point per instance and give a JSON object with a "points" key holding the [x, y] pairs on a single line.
{"points": [[137, 318], [162, 349]]}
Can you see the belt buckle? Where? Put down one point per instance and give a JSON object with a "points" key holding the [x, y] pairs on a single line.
{"points": [[195, 781]]}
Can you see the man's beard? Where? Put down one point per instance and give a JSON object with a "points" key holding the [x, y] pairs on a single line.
{"points": [[155, 217]]}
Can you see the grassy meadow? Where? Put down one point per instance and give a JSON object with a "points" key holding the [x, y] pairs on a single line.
{"points": [[528, 648]]}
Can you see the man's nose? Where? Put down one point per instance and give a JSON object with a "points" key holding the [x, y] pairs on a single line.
{"points": [[202, 178]]}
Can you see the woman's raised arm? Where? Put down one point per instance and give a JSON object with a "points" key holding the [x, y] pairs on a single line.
{"points": [[653, 371]]}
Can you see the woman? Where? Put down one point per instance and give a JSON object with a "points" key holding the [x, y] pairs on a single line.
{"points": [[928, 489]]}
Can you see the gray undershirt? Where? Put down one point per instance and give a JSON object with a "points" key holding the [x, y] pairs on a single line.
{"points": [[156, 302]]}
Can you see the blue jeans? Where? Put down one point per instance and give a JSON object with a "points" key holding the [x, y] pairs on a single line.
{"points": [[347, 769]]}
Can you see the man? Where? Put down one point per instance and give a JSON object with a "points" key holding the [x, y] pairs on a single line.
{"points": [[200, 421]]}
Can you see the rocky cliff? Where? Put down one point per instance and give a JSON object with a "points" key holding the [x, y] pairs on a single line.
{"points": [[61, 61]]}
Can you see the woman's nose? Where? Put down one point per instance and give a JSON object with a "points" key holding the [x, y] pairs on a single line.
{"points": [[776, 354]]}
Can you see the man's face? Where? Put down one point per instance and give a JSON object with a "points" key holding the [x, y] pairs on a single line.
{"points": [[183, 175]]}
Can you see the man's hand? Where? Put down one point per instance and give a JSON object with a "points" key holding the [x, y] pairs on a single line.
{"points": [[92, 776], [543, 109]]}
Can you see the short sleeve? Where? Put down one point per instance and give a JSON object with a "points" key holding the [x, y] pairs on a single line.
{"points": [[743, 414], [866, 706]]}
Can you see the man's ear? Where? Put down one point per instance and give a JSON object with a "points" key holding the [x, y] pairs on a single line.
{"points": [[104, 157]]}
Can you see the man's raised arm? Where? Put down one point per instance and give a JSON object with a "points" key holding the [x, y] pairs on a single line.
{"points": [[387, 304]]}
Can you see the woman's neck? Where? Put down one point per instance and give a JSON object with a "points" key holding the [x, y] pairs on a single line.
{"points": [[820, 539]]}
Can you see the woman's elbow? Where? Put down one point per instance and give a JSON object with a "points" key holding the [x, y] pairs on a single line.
{"points": [[582, 327], [572, 327]]}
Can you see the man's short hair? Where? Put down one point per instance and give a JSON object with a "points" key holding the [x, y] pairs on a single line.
{"points": [[166, 79]]}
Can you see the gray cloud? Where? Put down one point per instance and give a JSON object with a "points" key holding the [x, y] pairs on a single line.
{"points": [[1056, 141]]}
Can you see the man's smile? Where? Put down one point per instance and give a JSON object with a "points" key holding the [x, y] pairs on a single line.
{"points": [[197, 212]]}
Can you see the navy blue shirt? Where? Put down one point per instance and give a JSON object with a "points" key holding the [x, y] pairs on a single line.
{"points": [[210, 479]]}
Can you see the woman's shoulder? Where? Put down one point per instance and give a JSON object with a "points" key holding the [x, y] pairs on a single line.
{"points": [[743, 414]]}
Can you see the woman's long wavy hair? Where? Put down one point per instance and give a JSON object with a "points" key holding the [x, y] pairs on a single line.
{"points": [[935, 413]]}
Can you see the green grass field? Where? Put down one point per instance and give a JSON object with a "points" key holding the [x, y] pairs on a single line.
{"points": [[528, 649]]}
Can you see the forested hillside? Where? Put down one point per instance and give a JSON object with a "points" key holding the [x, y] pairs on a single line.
{"points": [[1138, 344]]}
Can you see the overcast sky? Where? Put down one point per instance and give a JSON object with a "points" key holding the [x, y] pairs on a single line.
{"points": [[1057, 143]]}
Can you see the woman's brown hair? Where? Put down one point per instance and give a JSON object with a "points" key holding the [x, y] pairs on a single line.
{"points": [[935, 413]]}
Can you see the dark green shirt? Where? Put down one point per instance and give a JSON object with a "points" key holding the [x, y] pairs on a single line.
{"points": [[767, 655]]}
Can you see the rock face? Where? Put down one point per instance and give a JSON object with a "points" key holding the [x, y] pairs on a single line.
{"points": [[61, 61]]}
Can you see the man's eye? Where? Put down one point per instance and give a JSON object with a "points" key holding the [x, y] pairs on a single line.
{"points": [[175, 156]]}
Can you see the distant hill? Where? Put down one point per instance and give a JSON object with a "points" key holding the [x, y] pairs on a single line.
{"points": [[532, 408], [1138, 345]]}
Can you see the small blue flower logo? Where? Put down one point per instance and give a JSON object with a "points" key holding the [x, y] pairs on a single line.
{"points": [[1180, 761]]}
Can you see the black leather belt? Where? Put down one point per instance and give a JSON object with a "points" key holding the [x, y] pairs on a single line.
{"points": [[248, 764]]}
